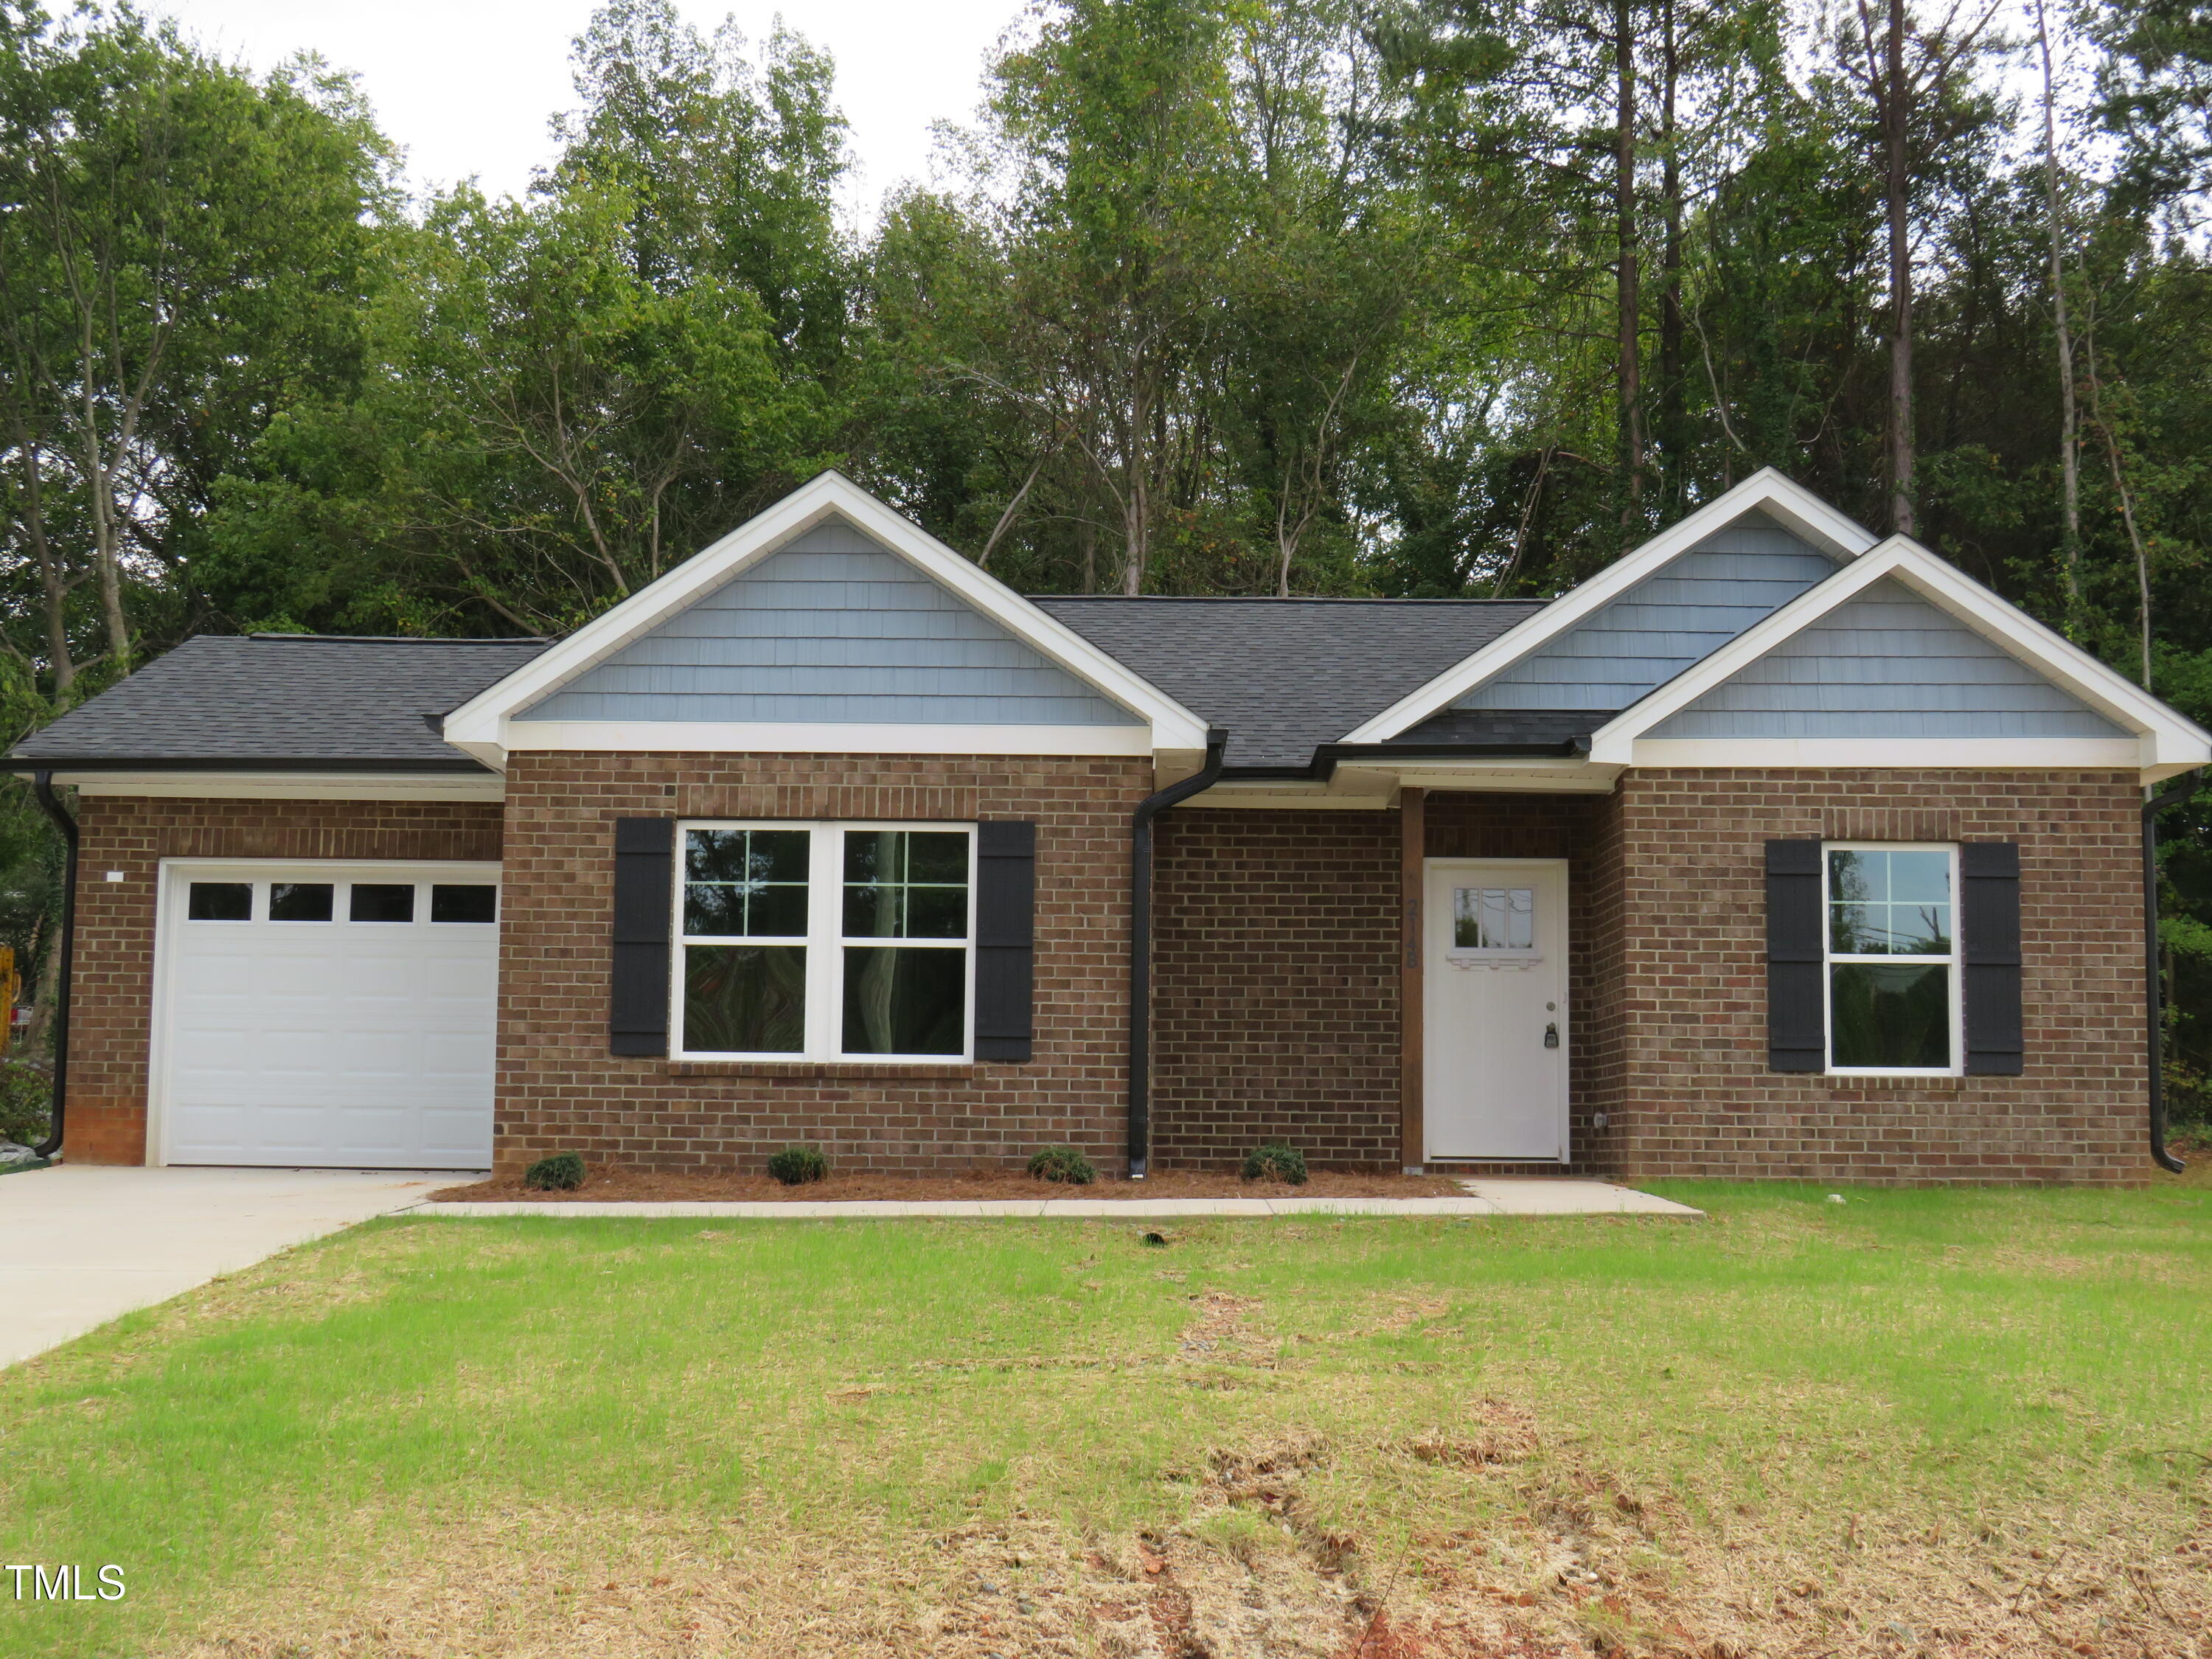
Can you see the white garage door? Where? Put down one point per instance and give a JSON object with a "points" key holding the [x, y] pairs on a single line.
{"points": [[334, 1014]]}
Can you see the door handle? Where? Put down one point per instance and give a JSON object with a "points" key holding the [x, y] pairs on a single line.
{"points": [[1552, 1034]]}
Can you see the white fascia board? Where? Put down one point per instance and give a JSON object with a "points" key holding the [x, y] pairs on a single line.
{"points": [[2167, 739], [1796, 508], [815, 737], [475, 725], [1895, 754], [290, 786]]}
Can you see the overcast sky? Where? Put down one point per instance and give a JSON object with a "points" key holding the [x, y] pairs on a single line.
{"points": [[467, 86]]}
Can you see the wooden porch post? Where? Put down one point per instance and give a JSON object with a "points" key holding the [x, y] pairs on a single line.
{"points": [[1411, 848]]}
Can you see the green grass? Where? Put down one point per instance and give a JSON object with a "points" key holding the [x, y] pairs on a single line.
{"points": [[1905, 1354]]}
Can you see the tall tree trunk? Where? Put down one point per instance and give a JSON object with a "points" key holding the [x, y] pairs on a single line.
{"points": [[1672, 441], [2127, 513], [1624, 202], [2069, 458], [1895, 108], [53, 586]]}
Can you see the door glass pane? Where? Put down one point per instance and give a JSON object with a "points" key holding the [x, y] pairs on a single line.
{"points": [[1891, 1014], [220, 901], [470, 904], [905, 1002], [744, 998], [1493, 918], [745, 883], [299, 901], [905, 883], [377, 901], [1889, 903]]}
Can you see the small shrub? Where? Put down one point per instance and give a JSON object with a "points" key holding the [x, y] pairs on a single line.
{"points": [[1276, 1161], [1062, 1164], [794, 1166], [563, 1172], [26, 1091]]}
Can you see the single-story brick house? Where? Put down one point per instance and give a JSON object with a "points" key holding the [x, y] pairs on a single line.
{"points": [[1777, 848]]}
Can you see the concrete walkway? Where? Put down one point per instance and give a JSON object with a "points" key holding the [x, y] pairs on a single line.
{"points": [[80, 1245], [1516, 1196]]}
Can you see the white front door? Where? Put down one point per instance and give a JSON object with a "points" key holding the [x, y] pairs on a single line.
{"points": [[1494, 1030], [326, 1014]]}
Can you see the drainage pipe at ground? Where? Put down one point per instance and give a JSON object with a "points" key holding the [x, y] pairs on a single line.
{"points": [[1141, 946], [42, 784], [2182, 788]]}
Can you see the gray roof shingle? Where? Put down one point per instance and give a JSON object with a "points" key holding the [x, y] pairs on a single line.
{"points": [[1285, 676], [264, 698]]}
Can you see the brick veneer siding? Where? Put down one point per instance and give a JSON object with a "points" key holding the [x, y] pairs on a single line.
{"points": [[1686, 1080], [1275, 986], [111, 1013], [560, 1089]]}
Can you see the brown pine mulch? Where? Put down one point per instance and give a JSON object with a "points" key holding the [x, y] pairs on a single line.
{"points": [[617, 1185]]}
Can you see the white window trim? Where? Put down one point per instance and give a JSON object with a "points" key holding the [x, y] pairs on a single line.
{"points": [[824, 942], [1955, 964]]}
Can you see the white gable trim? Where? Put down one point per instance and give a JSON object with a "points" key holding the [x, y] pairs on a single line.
{"points": [[2164, 742], [1795, 508], [486, 726]]}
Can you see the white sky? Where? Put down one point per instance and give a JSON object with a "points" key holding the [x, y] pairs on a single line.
{"points": [[468, 86]]}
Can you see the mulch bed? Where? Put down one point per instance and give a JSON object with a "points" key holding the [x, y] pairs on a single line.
{"points": [[609, 1186]]}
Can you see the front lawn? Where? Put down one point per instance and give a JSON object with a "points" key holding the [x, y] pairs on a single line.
{"points": [[1948, 1423]]}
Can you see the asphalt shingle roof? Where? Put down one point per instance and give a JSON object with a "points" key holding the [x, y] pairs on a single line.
{"points": [[1285, 676], [262, 698]]}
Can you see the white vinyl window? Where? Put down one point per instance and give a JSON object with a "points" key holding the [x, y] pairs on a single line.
{"points": [[1889, 915], [824, 941]]}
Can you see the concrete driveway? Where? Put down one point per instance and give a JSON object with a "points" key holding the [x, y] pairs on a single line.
{"points": [[80, 1245]]}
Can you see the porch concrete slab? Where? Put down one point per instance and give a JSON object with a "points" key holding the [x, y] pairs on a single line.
{"points": [[81, 1245], [1544, 1195]]}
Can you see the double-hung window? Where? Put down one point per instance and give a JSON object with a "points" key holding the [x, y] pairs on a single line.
{"points": [[1891, 957], [849, 942]]}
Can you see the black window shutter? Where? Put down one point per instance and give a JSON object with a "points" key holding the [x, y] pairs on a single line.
{"points": [[1988, 929], [645, 897], [1797, 1038], [1005, 939]]}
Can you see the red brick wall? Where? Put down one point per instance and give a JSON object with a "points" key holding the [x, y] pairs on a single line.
{"points": [[559, 1089], [1275, 986], [111, 1011], [1692, 1095]]}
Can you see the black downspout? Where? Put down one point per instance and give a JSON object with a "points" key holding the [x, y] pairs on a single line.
{"points": [[1141, 946], [2183, 788], [43, 783]]}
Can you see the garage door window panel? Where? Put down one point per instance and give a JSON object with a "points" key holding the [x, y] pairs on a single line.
{"points": [[471, 904], [220, 901], [382, 902], [301, 901]]}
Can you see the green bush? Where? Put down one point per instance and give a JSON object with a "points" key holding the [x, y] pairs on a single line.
{"points": [[794, 1166], [1276, 1161], [563, 1172], [1062, 1164], [26, 1095]]}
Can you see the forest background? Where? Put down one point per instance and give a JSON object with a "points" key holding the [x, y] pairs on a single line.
{"points": [[1434, 298]]}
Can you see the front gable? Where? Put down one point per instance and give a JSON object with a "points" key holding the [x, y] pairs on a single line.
{"points": [[832, 628], [1646, 617], [828, 624], [1886, 663], [1682, 613], [1902, 660]]}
